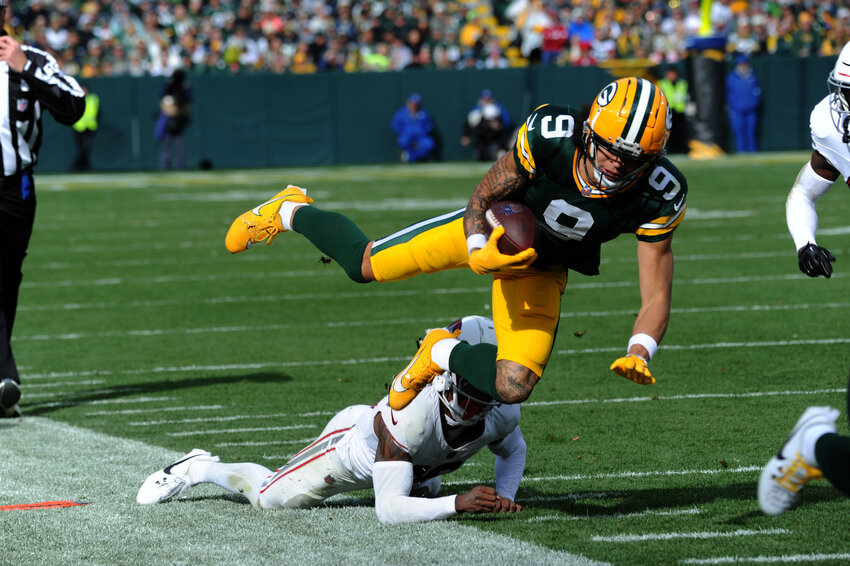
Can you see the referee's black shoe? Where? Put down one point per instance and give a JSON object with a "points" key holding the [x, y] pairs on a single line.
{"points": [[10, 394]]}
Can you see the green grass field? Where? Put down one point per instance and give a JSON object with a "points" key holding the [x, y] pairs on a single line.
{"points": [[139, 338]]}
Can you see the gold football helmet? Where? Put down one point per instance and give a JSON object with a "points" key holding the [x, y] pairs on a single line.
{"points": [[630, 119]]}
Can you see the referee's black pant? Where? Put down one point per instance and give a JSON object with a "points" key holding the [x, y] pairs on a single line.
{"points": [[17, 214]]}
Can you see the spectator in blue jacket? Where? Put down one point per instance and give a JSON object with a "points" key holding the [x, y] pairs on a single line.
{"points": [[414, 130], [743, 97]]}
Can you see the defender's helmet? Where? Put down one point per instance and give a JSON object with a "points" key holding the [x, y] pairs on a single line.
{"points": [[466, 405], [839, 93], [631, 119]]}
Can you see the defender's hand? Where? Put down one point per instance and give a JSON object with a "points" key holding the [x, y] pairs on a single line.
{"points": [[814, 260], [489, 259], [481, 499], [505, 505], [633, 367]]}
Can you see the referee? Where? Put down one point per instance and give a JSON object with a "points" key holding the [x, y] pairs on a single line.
{"points": [[30, 82]]}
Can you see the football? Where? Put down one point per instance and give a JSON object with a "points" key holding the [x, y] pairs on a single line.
{"points": [[519, 223]]}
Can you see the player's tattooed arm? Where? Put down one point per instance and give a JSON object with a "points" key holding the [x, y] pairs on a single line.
{"points": [[388, 449], [514, 382], [502, 182]]}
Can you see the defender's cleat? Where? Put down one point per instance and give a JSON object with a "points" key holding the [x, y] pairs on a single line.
{"points": [[786, 474], [173, 480], [263, 221], [10, 394], [419, 372]]}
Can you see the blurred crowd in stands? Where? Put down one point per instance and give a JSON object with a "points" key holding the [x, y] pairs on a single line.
{"points": [[154, 37]]}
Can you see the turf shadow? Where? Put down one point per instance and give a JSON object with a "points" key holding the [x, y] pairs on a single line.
{"points": [[640, 500], [41, 408]]}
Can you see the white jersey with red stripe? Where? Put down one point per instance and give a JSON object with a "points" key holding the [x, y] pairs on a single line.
{"points": [[418, 429], [827, 137], [342, 458]]}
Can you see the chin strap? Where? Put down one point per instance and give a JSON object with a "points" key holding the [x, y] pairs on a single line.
{"points": [[846, 126]]}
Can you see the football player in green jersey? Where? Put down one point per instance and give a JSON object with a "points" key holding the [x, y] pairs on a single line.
{"points": [[587, 182]]}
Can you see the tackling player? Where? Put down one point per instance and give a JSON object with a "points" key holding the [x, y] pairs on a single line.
{"points": [[586, 180], [830, 126], [814, 450], [400, 453]]}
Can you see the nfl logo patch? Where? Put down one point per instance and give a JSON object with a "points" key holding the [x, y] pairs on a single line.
{"points": [[508, 208], [22, 105]]}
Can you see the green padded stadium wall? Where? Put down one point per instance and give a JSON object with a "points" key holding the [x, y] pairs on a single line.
{"points": [[254, 120]]}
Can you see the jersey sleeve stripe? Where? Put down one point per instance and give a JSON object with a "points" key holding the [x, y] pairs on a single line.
{"points": [[662, 225], [524, 151]]}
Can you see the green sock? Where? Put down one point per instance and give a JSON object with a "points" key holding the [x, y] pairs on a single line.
{"points": [[833, 455], [477, 365], [335, 235]]}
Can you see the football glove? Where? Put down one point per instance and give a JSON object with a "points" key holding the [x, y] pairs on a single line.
{"points": [[490, 260], [633, 367], [815, 260]]}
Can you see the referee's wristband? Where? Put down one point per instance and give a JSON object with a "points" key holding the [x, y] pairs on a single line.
{"points": [[475, 241], [646, 341]]}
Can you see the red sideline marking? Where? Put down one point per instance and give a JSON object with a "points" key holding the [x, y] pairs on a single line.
{"points": [[42, 505]]}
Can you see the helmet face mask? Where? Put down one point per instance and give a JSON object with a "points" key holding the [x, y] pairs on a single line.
{"points": [[838, 83], [630, 120], [464, 404]]}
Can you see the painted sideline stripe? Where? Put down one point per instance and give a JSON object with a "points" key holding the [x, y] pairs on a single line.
{"points": [[42, 505], [430, 320], [700, 535], [792, 559]]}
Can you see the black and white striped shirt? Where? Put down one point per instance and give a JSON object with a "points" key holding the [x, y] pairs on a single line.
{"points": [[23, 98]]}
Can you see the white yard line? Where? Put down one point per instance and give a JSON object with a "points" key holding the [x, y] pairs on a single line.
{"points": [[237, 430], [231, 418], [112, 281], [700, 535], [395, 321], [647, 513], [783, 559]]}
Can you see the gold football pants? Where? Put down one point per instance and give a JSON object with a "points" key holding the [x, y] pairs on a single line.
{"points": [[526, 303]]}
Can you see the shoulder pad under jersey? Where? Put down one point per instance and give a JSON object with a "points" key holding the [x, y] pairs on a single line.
{"points": [[827, 139], [410, 426], [821, 124], [543, 134]]}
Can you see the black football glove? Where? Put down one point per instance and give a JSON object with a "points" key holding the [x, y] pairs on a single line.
{"points": [[815, 260]]}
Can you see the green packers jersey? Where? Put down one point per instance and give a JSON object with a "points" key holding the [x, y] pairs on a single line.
{"points": [[573, 225]]}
